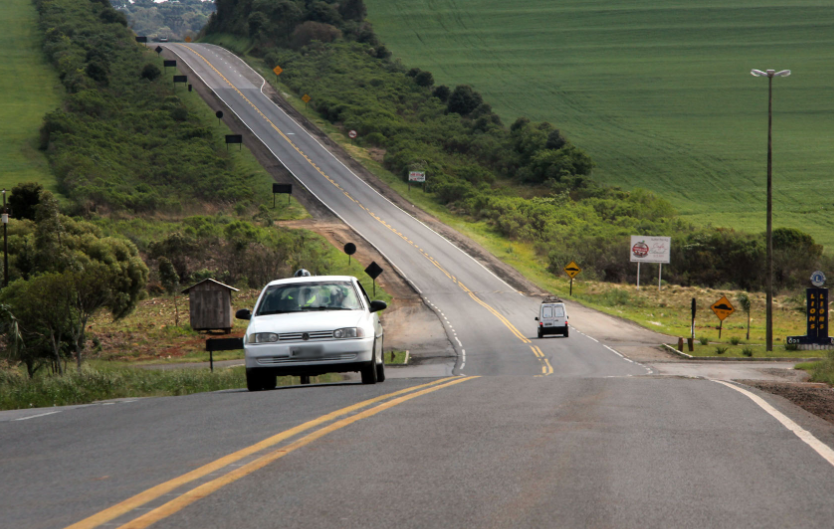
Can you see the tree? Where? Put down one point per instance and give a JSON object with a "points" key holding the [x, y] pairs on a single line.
{"points": [[464, 100], [150, 72], [93, 290], [171, 283], [257, 21], [23, 200], [744, 303], [424, 79], [555, 140], [353, 10], [442, 93]]}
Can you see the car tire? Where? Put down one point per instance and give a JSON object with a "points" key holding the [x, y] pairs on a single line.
{"points": [[256, 381], [369, 373], [305, 379], [380, 367], [566, 333], [540, 334]]}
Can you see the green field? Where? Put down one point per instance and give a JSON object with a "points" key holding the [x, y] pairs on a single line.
{"points": [[29, 89], [659, 93]]}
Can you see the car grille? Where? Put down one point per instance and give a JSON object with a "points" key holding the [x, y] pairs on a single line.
{"points": [[297, 336], [274, 360]]}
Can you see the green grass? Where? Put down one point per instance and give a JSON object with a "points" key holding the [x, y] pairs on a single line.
{"points": [[735, 351], [395, 358], [29, 89], [658, 93]]}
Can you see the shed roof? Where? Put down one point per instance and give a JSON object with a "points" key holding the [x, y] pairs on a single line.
{"points": [[210, 280]]}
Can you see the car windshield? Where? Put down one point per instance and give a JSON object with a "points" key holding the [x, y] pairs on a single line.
{"points": [[301, 297]]}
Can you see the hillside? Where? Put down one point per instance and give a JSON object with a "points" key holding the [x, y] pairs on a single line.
{"points": [[30, 89], [659, 94]]}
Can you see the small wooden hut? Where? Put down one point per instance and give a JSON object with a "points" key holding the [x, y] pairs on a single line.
{"points": [[210, 305]]}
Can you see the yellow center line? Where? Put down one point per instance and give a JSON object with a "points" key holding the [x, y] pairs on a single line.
{"points": [[187, 498], [472, 295], [153, 493]]}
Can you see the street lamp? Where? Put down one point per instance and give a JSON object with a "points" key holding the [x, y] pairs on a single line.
{"points": [[770, 74]]}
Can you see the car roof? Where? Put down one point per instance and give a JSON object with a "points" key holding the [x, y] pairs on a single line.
{"points": [[309, 279]]}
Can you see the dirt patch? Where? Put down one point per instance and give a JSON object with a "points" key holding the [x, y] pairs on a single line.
{"points": [[810, 396]]}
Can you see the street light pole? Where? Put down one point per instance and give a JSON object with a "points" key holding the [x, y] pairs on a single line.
{"points": [[770, 74]]}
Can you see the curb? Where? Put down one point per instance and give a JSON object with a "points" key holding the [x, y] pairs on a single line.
{"points": [[745, 359]]}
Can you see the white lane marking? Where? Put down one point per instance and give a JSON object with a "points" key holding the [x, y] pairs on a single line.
{"points": [[490, 272], [807, 437], [592, 338], [614, 351], [458, 340], [36, 416]]}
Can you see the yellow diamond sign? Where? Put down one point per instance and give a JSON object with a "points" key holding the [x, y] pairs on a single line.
{"points": [[306, 98], [277, 70], [723, 308], [572, 269], [188, 38]]}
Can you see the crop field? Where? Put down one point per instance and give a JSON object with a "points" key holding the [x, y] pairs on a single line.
{"points": [[28, 90], [658, 93]]}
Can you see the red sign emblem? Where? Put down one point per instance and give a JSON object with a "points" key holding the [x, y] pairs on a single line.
{"points": [[641, 249], [352, 134]]}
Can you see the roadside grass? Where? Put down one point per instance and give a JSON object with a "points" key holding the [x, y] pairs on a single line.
{"points": [[113, 382], [30, 89], [628, 82], [758, 350], [822, 371], [149, 335], [394, 358]]}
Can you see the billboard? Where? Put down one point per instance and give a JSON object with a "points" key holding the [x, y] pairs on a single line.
{"points": [[650, 249], [417, 176]]}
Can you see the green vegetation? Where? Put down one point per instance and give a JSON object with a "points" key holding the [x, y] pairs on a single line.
{"points": [[30, 89], [395, 358], [169, 20], [124, 139], [822, 371], [523, 183], [755, 351], [658, 93]]}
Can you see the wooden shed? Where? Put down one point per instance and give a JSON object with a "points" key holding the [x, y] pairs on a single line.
{"points": [[210, 305]]}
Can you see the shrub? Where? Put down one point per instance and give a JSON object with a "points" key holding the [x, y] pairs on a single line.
{"points": [[791, 347], [151, 72], [735, 340], [464, 100], [424, 79], [747, 351], [720, 350], [703, 340], [310, 31]]}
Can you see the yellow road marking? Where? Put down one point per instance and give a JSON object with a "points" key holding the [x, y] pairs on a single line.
{"points": [[163, 488], [503, 320], [205, 489]]}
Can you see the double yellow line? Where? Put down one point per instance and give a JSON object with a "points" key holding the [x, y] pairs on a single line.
{"points": [[431, 259], [190, 496], [547, 369]]}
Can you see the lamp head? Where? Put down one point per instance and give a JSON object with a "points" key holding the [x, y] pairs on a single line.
{"points": [[758, 73]]}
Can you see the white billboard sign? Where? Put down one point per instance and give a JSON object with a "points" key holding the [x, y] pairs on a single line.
{"points": [[650, 249], [417, 176]]}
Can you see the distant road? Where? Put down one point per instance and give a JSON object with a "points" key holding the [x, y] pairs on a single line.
{"points": [[538, 433]]}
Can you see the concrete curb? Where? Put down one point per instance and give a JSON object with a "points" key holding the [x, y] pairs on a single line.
{"points": [[746, 359]]}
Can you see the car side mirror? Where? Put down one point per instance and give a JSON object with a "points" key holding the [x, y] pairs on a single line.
{"points": [[377, 306], [243, 314], [536, 318]]}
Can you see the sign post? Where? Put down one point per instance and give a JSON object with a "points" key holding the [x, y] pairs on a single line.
{"points": [[350, 249], [416, 176], [219, 115], [816, 314], [277, 70], [281, 189], [722, 308], [306, 99], [572, 270], [234, 138], [374, 270], [651, 250]]}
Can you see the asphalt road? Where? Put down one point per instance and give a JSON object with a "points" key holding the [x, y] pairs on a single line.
{"points": [[548, 433]]}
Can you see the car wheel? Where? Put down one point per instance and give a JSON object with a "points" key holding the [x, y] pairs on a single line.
{"points": [[305, 379], [256, 381], [369, 371], [380, 367], [540, 333], [566, 333]]}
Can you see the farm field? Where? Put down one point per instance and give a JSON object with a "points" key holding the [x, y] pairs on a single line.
{"points": [[658, 93], [30, 89]]}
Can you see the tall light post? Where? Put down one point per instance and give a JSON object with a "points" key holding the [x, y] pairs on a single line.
{"points": [[770, 74]]}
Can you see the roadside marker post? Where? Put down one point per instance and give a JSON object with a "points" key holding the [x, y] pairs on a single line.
{"points": [[285, 189], [572, 270], [692, 327], [234, 138], [219, 115], [221, 344], [374, 270], [722, 309], [350, 249]]}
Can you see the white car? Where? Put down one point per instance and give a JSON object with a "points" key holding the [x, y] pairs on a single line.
{"points": [[307, 326]]}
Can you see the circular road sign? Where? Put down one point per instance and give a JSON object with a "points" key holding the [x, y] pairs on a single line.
{"points": [[350, 248], [818, 278], [219, 114], [352, 134]]}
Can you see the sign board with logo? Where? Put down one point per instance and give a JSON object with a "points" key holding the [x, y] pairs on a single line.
{"points": [[818, 278], [650, 249], [417, 176], [816, 317]]}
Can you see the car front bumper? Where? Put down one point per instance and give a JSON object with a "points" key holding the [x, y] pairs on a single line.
{"points": [[307, 357]]}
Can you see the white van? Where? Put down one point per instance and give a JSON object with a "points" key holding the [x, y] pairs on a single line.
{"points": [[553, 319]]}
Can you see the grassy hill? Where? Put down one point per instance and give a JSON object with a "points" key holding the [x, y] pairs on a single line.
{"points": [[658, 93], [30, 89]]}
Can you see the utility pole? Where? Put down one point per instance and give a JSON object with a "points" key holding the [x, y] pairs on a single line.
{"points": [[770, 74], [5, 219]]}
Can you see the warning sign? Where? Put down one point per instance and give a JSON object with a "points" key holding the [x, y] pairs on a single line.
{"points": [[572, 270], [306, 98], [277, 70], [188, 38], [723, 308]]}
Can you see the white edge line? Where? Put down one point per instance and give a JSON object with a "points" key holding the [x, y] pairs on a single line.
{"points": [[366, 183], [807, 437], [36, 416]]}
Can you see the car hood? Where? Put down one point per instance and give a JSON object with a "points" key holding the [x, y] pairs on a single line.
{"points": [[308, 321]]}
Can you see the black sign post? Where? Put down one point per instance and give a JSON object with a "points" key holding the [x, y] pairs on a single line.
{"points": [[189, 87], [281, 189], [234, 138], [158, 50], [221, 344], [374, 270], [219, 115], [180, 79], [142, 39], [166, 63], [350, 249]]}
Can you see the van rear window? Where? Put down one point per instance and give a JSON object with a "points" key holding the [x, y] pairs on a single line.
{"points": [[553, 312]]}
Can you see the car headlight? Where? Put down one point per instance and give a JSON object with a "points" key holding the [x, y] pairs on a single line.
{"points": [[262, 337], [349, 332]]}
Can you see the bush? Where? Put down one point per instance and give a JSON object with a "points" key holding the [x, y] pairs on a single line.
{"points": [[464, 100], [735, 340], [791, 347], [151, 72], [720, 350], [310, 31], [747, 351], [703, 340]]}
